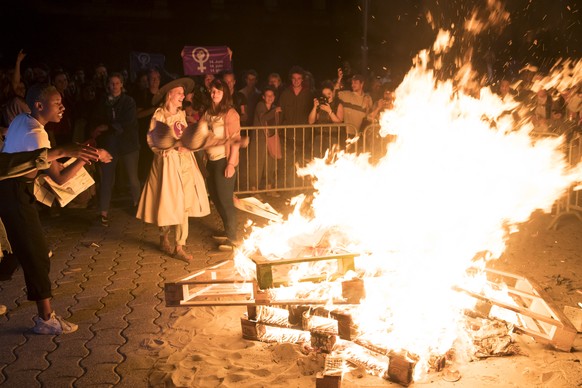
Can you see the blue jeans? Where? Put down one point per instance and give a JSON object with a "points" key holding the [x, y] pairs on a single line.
{"points": [[221, 192]]}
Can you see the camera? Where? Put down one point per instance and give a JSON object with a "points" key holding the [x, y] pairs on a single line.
{"points": [[322, 100]]}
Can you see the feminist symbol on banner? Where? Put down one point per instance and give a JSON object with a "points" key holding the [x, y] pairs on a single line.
{"points": [[200, 55], [143, 59]]}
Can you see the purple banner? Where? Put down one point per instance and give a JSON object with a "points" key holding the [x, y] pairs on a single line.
{"points": [[199, 60], [144, 61]]}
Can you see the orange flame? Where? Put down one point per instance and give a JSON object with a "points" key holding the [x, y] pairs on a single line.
{"points": [[460, 177]]}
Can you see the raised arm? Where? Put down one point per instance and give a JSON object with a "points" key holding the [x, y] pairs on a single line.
{"points": [[16, 77], [338, 83]]}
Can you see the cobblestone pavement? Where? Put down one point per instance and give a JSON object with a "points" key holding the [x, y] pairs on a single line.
{"points": [[108, 280]]}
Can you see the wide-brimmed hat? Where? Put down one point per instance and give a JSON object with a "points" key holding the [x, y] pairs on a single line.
{"points": [[185, 82]]}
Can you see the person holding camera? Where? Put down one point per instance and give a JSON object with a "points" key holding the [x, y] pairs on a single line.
{"points": [[326, 110]]}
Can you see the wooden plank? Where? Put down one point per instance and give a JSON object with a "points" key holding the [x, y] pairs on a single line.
{"points": [[325, 381], [540, 318], [296, 260], [252, 301], [265, 276], [346, 264], [219, 290], [323, 342], [545, 310], [251, 330], [565, 334], [204, 270], [401, 369], [173, 294], [345, 326], [353, 290], [265, 268], [515, 309], [223, 273]]}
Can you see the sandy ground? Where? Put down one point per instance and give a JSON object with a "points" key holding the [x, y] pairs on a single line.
{"points": [[204, 346]]}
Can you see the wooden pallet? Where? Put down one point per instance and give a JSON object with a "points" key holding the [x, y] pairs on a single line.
{"points": [[538, 316], [221, 285], [267, 276]]}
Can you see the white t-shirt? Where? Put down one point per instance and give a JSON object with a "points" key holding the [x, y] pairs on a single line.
{"points": [[25, 133], [216, 125]]}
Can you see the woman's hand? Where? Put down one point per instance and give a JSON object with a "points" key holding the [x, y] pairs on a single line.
{"points": [[20, 57], [104, 156], [229, 171], [325, 108], [243, 142]]}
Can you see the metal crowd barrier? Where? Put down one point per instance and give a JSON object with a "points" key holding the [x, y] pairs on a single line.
{"points": [[571, 203], [259, 171], [373, 143]]}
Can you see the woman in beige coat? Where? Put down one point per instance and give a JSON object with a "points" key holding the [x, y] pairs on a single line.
{"points": [[175, 188]]}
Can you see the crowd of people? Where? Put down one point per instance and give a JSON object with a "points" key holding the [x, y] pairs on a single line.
{"points": [[179, 144]]}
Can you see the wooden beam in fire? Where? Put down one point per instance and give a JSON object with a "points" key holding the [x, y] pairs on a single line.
{"points": [[537, 313], [265, 273]]}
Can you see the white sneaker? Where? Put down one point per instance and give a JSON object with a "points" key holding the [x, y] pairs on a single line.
{"points": [[54, 326], [229, 245], [219, 238]]}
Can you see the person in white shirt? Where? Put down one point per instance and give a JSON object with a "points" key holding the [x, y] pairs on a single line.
{"points": [[17, 208]]}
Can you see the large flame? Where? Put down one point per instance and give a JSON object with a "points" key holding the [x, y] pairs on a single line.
{"points": [[460, 177]]}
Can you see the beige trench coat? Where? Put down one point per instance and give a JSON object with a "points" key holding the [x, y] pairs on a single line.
{"points": [[175, 184]]}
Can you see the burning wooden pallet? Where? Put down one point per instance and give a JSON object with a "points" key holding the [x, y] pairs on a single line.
{"points": [[267, 275], [328, 329], [537, 314], [221, 285], [320, 329], [210, 286]]}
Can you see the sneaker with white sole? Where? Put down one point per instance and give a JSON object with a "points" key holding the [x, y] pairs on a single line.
{"points": [[219, 238], [54, 326], [229, 245]]}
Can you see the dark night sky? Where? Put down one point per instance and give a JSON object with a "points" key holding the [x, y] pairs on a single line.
{"points": [[273, 35]]}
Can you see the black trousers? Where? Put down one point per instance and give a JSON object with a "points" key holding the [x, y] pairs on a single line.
{"points": [[24, 230]]}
